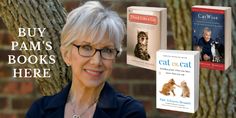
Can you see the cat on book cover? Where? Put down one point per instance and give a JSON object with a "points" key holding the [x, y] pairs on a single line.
{"points": [[168, 87], [141, 48], [211, 50], [185, 89]]}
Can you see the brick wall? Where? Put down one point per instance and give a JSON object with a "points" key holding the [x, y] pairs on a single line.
{"points": [[17, 95]]}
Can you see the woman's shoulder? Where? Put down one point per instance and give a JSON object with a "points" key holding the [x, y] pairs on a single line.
{"points": [[38, 107], [43, 101], [128, 100], [48, 103], [125, 105], [130, 106]]}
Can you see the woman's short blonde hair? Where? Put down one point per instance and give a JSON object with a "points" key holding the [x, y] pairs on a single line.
{"points": [[92, 21]]}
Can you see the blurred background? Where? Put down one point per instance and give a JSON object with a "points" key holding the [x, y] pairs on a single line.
{"points": [[16, 95]]}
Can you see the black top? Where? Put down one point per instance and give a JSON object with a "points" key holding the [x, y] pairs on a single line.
{"points": [[206, 47], [110, 105]]}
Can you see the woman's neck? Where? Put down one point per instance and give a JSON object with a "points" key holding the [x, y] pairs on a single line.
{"points": [[82, 95]]}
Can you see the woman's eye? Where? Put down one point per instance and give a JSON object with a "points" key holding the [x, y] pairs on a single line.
{"points": [[107, 50], [87, 47]]}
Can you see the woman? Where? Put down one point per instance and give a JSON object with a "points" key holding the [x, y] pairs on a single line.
{"points": [[90, 41]]}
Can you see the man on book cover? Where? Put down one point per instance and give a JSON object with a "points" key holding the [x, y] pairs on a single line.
{"points": [[209, 37], [205, 45]]}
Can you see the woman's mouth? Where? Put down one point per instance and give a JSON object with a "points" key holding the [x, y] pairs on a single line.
{"points": [[93, 72]]}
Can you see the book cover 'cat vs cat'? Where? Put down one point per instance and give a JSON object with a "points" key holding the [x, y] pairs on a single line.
{"points": [[177, 80], [212, 36], [146, 33]]}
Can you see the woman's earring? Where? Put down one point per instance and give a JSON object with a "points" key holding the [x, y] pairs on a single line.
{"points": [[68, 64]]}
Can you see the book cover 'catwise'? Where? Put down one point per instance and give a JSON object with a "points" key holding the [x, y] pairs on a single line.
{"points": [[212, 36]]}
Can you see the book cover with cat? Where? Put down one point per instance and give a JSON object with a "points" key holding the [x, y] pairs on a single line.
{"points": [[146, 33], [177, 80], [211, 34]]}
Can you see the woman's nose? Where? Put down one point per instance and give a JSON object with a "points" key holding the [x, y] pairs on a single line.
{"points": [[96, 59]]}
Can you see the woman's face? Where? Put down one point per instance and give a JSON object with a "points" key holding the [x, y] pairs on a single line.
{"points": [[91, 71]]}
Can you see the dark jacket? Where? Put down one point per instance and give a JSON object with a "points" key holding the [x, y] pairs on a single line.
{"points": [[206, 47], [110, 105]]}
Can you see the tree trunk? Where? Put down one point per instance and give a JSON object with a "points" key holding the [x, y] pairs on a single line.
{"points": [[217, 88], [47, 14]]}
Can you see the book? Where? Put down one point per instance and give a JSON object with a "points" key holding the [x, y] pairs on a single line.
{"points": [[211, 34], [177, 80], [146, 33]]}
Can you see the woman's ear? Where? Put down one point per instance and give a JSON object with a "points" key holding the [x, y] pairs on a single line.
{"points": [[66, 55]]}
